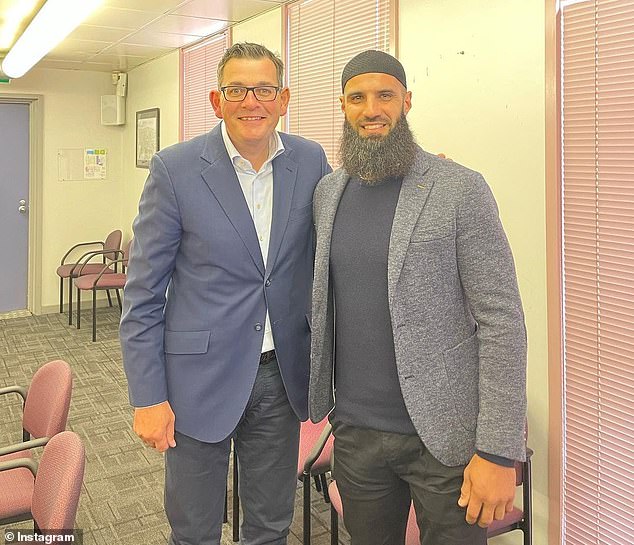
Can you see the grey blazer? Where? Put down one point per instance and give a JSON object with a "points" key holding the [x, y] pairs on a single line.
{"points": [[457, 318]]}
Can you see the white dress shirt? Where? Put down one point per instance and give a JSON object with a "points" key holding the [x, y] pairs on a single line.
{"points": [[257, 188]]}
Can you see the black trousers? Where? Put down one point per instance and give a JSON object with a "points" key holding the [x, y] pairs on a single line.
{"points": [[378, 475]]}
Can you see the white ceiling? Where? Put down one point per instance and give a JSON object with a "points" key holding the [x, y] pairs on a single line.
{"points": [[123, 34]]}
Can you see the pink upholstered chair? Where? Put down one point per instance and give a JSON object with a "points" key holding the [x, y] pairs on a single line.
{"points": [[106, 250], [107, 278], [315, 451], [48, 493], [46, 405]]}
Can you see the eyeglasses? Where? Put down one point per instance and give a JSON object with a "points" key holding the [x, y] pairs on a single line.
{"points": [[237, 93]]}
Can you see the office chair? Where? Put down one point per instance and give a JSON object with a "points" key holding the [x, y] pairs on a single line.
{"points": [[46, 405], [49, 492], [107, 278], [106, 250]]}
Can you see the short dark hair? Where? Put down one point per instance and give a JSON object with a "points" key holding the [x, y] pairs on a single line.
{"points": [[248, 50]]}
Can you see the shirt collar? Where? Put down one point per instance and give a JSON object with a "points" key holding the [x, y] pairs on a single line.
{"points": [[276, 147]]}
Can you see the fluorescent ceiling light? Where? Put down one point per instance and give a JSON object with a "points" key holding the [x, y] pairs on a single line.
{"points": [[55, 20]]}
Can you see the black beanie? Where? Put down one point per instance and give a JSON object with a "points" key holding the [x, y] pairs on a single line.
{"points": [[373, 61]]}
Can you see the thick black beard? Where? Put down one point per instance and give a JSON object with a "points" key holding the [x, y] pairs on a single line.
{"points": [[376, 159]]}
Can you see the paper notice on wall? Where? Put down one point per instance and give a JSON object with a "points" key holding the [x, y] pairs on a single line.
{"points": [[95, 164]]}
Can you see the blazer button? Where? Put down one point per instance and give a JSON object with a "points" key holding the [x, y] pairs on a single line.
{"points": [[267, 283], [258, 327]]}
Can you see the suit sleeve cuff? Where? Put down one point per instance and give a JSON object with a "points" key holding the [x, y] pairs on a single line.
{"points": [[499, 460], [148, 406]]}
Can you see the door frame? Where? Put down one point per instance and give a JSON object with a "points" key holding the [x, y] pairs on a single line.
{"points": [[34, 252]]}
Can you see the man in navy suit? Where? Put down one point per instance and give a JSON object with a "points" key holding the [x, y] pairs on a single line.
{"points": [[215, 328]]}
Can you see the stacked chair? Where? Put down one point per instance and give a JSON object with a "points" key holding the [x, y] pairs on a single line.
{"points": [[48, 494], [104, 251], [106, 278]]}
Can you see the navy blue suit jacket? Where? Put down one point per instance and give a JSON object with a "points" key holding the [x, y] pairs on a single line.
{"points": [[197, 291]]}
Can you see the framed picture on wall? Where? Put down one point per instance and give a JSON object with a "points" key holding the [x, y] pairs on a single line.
{"points": [[147, 136]]}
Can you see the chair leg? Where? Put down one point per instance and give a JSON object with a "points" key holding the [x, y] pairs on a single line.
{"points": [[225, 517], [528, 504], [236, 499], [306, 481], [334, 526], [61, 295], [94, 315], [109, 298], [317, 483], [70, 300], [324, 487], [119, 300], [78, 308]]}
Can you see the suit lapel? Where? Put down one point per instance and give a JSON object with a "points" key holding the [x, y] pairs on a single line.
{"points": [[411, 201], [328, 210], [284, 178], [325, 212], [220, 176]]}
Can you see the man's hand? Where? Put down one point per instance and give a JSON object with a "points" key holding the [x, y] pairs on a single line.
{"points": [[155, 426], [488, 491]]}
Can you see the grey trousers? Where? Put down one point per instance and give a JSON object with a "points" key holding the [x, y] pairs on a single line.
{"points": [[267, 445], [378, 474]]}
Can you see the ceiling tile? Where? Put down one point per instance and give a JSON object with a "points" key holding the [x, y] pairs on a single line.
{"points": [[227, 10], [133, 32], [155, 6], [101, 67], [118, 62], [121, 18], [194, 26], [99, 33], [65, 65], [160, 39], [88, 46], [136, 50], [70, 56]]}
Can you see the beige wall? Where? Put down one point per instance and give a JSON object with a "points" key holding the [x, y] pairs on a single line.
{"points": [[74, 210], [265, 29], [477, 79], [152, 85]]}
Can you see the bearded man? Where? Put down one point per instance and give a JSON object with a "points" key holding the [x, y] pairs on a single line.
{"points": [[417, 313]]}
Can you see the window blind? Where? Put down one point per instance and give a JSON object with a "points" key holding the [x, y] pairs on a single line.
{"points": [[199, 63], [598, 271], [322, 36]]}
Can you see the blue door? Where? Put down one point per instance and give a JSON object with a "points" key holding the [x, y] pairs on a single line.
{"points": [[14, 206]]}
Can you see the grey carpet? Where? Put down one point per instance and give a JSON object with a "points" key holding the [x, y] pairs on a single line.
{"points": [[121, 502]]}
